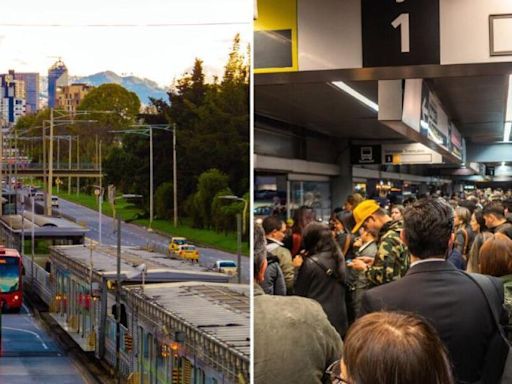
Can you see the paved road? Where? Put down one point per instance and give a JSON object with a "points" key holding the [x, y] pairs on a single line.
{"points": [[134, 235], [30, 355]]}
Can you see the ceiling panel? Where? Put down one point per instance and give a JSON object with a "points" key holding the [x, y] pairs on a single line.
{"points": [[475, 104], [323, 108]]}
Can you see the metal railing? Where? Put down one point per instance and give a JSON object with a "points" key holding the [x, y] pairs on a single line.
{"points": [[40, 279]]}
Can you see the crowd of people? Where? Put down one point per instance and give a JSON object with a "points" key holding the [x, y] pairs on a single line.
{"points": [[418, 292]]}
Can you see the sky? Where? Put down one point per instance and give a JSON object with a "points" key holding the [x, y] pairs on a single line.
{"points": [[154, 39]]}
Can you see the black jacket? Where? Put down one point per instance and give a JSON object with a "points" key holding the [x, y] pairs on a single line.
{"points": [[453, 304], [314, 283], [505, 228]]}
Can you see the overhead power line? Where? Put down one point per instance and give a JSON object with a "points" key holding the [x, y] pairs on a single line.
{"points": [[156, 25]]}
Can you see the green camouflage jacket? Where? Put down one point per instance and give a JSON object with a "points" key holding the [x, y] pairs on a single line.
{"points": [[392, 259]]}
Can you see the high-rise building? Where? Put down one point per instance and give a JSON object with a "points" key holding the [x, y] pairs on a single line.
{"points": [[12, 99], [31, 80], [57, 77], [69, 96]]}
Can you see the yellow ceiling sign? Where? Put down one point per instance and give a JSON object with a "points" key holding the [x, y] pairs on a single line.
{"points": [[275, 36]]}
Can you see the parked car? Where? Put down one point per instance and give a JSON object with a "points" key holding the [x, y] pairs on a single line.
{"points": [[174, 245], [55, 201], [188, 252], [39, 196], [228, 267]]}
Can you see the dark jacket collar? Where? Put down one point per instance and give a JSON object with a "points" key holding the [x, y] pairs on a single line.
{"points": [[434, 266]]}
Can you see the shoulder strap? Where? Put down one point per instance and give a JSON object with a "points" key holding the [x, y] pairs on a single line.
{"points": [[328, 271], [492, 296], [466, 241]]}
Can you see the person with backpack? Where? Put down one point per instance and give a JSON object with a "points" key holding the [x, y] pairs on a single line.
{"points": [[321, 276], [464, 235]]}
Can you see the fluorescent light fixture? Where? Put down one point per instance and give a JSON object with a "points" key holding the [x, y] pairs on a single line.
{"points": [[352, 92], [506, 133]]}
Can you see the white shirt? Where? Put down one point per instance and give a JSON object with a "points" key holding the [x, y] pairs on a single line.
{"points": [[426, 261]]}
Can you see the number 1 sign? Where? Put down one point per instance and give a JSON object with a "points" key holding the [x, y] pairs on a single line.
{"points": [[400, 32]]}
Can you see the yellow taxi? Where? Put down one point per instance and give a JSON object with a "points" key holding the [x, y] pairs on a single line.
{"points": [[174, 245], [188, 252]]}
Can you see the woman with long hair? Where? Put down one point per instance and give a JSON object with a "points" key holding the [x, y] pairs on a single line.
{"points": [[482, 233], [321, 276], [301, 218]]}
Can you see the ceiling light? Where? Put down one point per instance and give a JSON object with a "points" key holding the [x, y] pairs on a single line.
{"points": [[506, 133], [352, 92]]}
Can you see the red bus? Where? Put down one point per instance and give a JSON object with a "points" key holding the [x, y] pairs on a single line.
{"points": [[11, 290]]}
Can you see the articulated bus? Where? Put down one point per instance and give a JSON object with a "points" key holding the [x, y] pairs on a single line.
{"points": [[11, 290]]}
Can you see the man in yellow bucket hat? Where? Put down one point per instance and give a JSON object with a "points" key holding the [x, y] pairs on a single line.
{"points": [[392, 258]]}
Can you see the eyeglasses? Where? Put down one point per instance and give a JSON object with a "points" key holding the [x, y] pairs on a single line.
{"points": [[334, 373]]}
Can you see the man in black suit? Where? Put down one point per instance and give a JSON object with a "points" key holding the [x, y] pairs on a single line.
{"points": [[436, 290]]}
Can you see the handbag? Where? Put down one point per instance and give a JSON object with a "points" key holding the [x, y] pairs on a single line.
{"points": [[498, 359]]}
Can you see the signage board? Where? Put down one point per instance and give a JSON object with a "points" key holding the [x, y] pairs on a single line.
{"points": [[415, 153], [275, 36], [423, 112], [455, 143], [365, 154], [434, 121], [400, 32]]}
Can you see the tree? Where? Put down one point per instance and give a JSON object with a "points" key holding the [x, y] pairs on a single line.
{"points": [[163, 201], [208, 185]]}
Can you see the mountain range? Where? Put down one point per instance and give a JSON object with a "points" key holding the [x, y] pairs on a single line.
{"points": [[144, 88]]}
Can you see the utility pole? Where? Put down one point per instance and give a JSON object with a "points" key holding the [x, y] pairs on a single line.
{"points": [[69, 165], [77, 164], [150, 176], [174, 176], [44, 159], [50, 169], [239, 246], [100, 201]]}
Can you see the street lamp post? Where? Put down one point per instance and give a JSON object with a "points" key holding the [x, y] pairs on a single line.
{"points": [[147, 130], [174, 176], [50, 154]]}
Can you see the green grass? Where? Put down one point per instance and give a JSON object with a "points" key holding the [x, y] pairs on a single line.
{"points": [[131, 213], [200, 236]]}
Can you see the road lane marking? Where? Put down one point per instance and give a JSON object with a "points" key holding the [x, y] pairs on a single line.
{"points": [[29, 332], [26, 309]]}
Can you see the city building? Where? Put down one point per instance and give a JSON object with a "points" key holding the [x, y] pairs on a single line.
{"points": [[31, 80], [69, 97], [57, 77], [12, 99]]}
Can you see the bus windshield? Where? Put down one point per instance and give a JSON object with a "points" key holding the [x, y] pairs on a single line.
{"points": [[9, 274]]}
